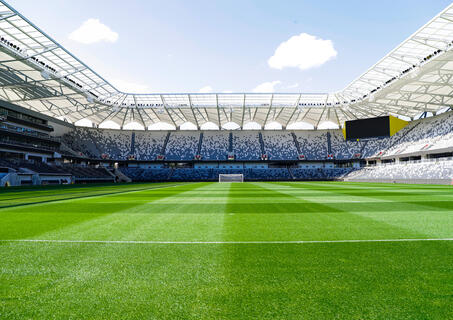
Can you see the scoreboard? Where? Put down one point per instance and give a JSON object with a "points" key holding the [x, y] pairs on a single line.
{"points": [[373, 127]]}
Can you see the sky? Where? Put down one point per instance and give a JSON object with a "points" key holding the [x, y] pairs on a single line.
{"points": [[178, 46]]}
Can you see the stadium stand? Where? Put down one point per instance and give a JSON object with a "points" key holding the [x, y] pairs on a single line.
{"points": [[113, 144], [320, 173], [280, 145], [313, 144], [182, 145], [434, 171], [215, 145], [250, 174], [89, 174], [246, 146], [430, 134], [34, 166], [344, 149], [433, 133], [92, 154], [149, 145], [81, 141], [152, 175]]}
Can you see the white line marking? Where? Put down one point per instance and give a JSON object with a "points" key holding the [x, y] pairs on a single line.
{"points": [[223, 242]]}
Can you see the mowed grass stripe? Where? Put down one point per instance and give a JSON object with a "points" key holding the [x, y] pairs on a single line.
{"points": [[246, 212], [38, 198], [304, 218], [321, 280], [132, 219], [412, 214], [362, 281], [52, 219]]}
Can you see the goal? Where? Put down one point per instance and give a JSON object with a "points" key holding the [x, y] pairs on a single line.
{"points": [[231, 178]]}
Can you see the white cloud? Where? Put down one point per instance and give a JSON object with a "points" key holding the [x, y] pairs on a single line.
{"points": [[303, 51], [205, 89], [93, 31], [130, 87], [267, 86]]}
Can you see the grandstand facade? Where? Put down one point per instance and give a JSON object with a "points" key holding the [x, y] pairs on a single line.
{"points": [[46, 90]]}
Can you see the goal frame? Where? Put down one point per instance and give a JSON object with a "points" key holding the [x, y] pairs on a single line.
{"points": [[237, 177]]}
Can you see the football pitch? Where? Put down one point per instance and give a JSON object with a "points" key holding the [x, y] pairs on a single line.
{"points": [[281, 250]]}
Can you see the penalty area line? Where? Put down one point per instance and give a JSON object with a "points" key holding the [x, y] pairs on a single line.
{"points": [[220, 242]]}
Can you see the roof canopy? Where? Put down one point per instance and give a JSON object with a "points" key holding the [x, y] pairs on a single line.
{"points": [[38, 73]]}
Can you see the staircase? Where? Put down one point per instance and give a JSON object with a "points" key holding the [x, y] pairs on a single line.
{"points": [[121, 177], [164, 147], [260, 137], [95, 144], [230, 142], [110, 173], [296, 143], [133, 143], [329, 143], [363, 147], [200, 142]]}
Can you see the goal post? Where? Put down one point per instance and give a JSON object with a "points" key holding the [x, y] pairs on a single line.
{"points": [[231, 178]]}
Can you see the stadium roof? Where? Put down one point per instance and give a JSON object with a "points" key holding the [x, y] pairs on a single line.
{"points": [[38, 73]]}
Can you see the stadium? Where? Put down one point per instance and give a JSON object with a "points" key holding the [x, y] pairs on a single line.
{"points": [[239, 205]]}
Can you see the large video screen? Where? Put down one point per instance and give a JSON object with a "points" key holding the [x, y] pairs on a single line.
{"points": [[367, 128]]}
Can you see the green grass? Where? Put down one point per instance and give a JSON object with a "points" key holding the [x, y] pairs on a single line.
{"points": [[326, 280]]}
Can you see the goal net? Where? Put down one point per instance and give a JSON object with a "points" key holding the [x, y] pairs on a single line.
{"points": [[231, 178]]}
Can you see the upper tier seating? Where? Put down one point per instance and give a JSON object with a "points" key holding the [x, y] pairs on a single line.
{"points": [[280, 145], [215, 145], [433, 134], [80, 140], [343, 149], [246, 145], [182, 145], [149, 144], [115, 143], [313, 144], [427, 134]]}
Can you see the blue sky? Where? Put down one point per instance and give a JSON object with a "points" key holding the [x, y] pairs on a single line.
{"points": [[226, 46]]}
